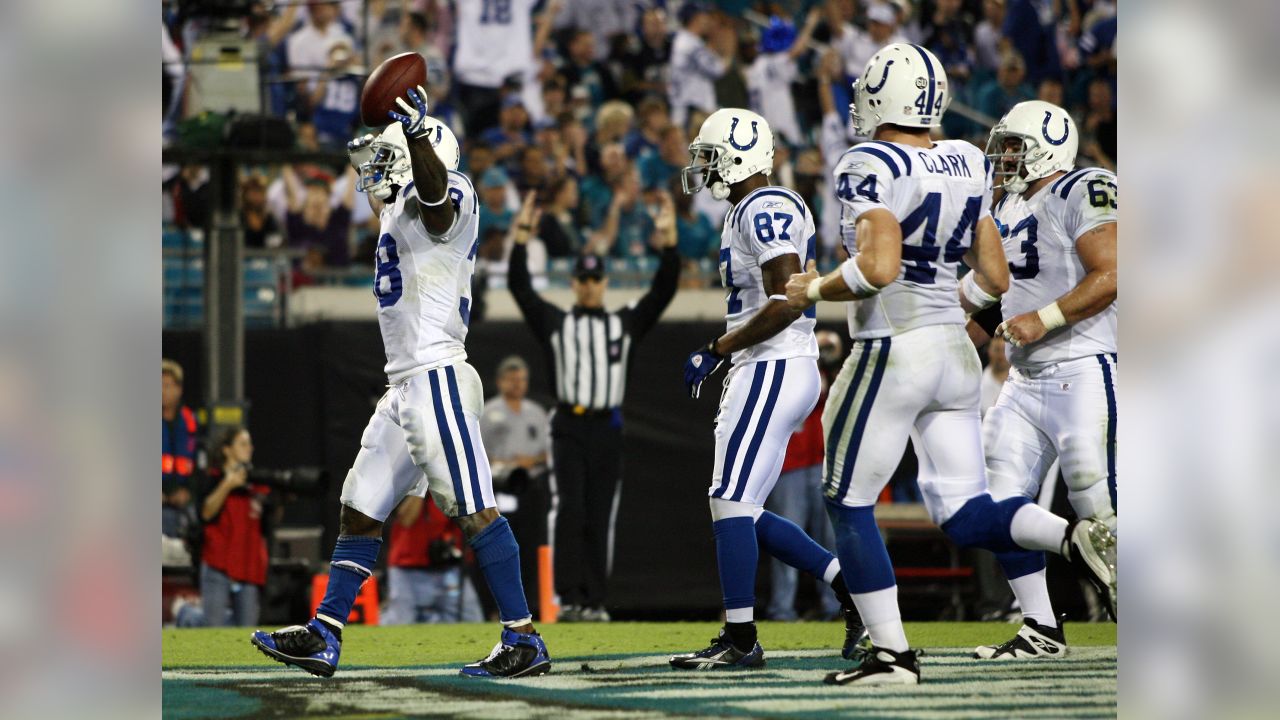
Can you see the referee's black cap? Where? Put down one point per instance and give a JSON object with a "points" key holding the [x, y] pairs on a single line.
{"points": [[589, 265]]}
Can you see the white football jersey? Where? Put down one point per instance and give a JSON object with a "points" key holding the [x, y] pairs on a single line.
{"points": [[495, 40], [768, 223], [694, 69], [769, 81], [423, 282], [938, 195], [1039, 236]]}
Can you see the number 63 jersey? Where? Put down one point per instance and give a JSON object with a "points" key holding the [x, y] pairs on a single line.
{"points": [[938, 195], [423, 281], [1039, 236]]}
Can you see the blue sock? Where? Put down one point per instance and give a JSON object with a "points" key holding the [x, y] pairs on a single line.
{"points": [[785, 540], [499, 559], [737, 555], [1020, 562], [864, 560], [983, 522], [353, 559]]}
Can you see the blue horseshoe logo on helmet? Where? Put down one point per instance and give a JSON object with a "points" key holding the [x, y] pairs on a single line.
{"points": [[755, 135], [883, 77], [439, 134], [1066, 129]]}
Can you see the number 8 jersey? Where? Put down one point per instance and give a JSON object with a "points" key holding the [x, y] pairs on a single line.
{"points": [[1039, 236], [423, 282], [938, 195]]}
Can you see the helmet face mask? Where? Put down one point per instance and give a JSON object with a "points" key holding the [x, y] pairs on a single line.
{"points": [[1010, 153], [380, 161], [703, 161]]}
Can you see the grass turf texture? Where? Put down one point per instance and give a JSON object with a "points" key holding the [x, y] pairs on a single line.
{"points": [[432, 644]]}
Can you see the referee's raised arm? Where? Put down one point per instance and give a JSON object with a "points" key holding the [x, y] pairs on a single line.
{"points": [[647, 310], [541, 315]]}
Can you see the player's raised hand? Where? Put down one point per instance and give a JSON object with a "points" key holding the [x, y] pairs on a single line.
{"points": [[527, 219], [414, 117], [1022, 329], [699, 366], [664, 221], [798, 287]]}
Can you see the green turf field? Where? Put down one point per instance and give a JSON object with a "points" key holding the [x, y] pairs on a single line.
{"points": [[618, 670]]}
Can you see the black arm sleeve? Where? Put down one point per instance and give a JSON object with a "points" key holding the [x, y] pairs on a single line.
{"points": [[541, 315], [649, 308], [988, 319]]}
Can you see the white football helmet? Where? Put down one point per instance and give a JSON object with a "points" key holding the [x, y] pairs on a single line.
{"points": [[735, 144], [381, 161], [444, 141], [1048, 142], [903, 84]]}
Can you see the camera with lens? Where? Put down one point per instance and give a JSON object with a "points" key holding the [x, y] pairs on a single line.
{"points": [[443, 552], [301, 480]]}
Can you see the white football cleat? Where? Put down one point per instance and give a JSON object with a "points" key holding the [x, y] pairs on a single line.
{"points": [[1032, 641]]}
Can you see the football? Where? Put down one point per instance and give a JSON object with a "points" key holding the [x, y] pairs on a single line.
{"points": [[390, 80]]}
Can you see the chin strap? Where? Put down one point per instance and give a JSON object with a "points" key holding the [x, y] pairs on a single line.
{"points": [[719, 191]]}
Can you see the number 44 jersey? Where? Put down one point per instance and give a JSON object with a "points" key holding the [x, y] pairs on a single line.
{"points": [[1039, 235], [423, 281], [938, 195]]}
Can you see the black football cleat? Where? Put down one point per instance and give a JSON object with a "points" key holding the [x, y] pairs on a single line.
{"points": [[516, 655], [720, 655], [855, 634], [311, 647]]}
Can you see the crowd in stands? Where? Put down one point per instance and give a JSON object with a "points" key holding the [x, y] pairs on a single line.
{"points": [[592, 103]]}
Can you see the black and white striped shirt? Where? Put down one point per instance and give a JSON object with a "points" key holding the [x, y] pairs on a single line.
{"points": [[590, 349]]}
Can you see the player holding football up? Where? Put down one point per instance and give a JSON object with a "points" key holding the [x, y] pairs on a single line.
{"points": [[425, 433], [1059, 227], [913, 209], [774, 383]]}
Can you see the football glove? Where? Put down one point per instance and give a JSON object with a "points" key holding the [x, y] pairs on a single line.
{"points": [[700, 365], [414, 118]]}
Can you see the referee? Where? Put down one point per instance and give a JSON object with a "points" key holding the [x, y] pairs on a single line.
{"points": [[589, 348]]}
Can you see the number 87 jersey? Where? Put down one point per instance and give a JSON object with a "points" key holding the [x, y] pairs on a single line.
{"points": [[938, 196]]}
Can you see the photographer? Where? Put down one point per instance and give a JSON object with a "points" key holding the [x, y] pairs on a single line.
{"points": [[237, 515], [424, 569]]}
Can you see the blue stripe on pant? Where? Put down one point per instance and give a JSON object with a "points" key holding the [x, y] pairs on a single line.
{"points": [[1111, 428], [735, 440], [450, 453], [860, 424], [837, 426], [744, 474], [461, 420]]}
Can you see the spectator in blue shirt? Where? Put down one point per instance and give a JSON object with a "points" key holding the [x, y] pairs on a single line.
{"points": [[697, 237], [512, 131], [493, 201], [1030, 26], [597, 189], [657, 170], [335, 99], [1008, 90]]}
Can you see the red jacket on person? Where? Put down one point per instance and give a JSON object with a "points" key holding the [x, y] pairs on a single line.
{"points": [[235, 540]]}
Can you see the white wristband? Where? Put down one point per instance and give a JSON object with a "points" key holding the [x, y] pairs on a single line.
{"points": [[974, 293], [443, 197], [856, 281], [1052, 317], [814, 291]]}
